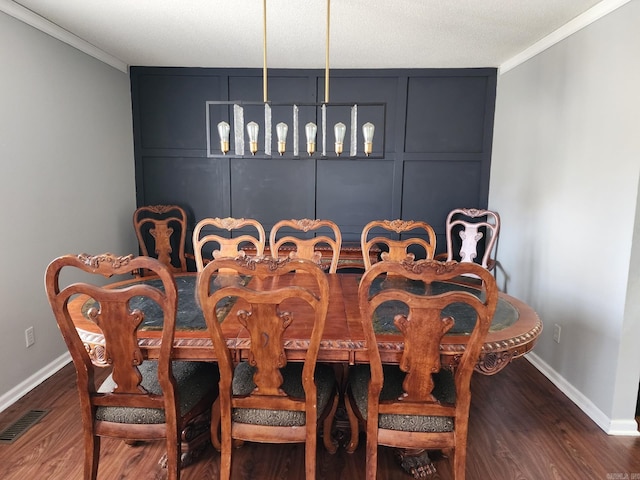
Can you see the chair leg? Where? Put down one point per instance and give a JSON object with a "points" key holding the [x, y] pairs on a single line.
{"points": [[310, 455], [371, 457], [458, 461], [458, 456], [226, 440], [173, 460], [91, 456], [225, 458]]}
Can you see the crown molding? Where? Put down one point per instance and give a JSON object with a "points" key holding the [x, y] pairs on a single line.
{"points": [[36, 21], [585, 19]]}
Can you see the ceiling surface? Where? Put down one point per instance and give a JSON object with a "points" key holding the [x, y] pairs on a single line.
{"points": [[363, 33]]}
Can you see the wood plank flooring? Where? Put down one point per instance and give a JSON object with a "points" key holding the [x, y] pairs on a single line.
{"points": [[521, 427]]}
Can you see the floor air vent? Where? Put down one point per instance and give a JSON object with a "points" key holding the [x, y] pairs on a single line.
{"points": [[20, 426]]}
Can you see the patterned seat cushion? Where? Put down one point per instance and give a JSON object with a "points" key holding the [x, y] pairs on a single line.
{"points": [[193, 379], [292, 385], [392, 388]]}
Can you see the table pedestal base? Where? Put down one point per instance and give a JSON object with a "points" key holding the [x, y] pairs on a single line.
{"points": [[416, 462], [195, 437]]}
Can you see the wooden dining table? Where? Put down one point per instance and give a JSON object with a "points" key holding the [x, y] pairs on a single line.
{"points": [[513, 333]]}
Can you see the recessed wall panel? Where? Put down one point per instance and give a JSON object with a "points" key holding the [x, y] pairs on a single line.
{"points": [[172, 110], [198, 185], [446, 114], [272, 189], [352, 193], [430, 190]]}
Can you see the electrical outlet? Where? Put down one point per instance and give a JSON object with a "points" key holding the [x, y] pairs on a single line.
{"points": [[30, 336], [556, 333]]}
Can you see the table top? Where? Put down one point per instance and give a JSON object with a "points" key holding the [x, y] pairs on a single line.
{"points": [[513, 332]]}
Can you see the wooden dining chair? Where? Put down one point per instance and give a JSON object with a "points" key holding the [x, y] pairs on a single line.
{"points": [[162, 233], [417, 404], [140, 399], [266, 398], [409, 234], [206, 234], [472, 235], [281, 237]]}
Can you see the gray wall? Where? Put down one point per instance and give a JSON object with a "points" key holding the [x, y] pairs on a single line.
{"points": [[564, 177], [67, 172]]}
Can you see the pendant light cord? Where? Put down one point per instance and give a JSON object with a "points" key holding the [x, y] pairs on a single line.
{"points": [[264, 50], [326, 68]]}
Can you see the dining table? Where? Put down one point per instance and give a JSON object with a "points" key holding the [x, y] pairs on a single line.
{"points": [[513, 333]]}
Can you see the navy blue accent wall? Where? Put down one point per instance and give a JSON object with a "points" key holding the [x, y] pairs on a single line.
{"points": [[435, 154]]}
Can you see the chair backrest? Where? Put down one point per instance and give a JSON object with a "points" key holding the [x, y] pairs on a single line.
{"points": [[472, 232], [428, 318], [408, 232], [230, 246], [258, 312], [424, 307], [114, 311], [266, 307], [306, 247], [162, 232]]}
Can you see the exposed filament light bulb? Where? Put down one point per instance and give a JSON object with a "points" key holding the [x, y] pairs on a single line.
{"points": [[252, 130], [311, 130], [367, 132], [223, 132], [339, 129], [281, 131]]}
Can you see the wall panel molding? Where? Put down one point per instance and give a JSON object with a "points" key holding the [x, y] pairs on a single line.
{"points": [[435, 154]]}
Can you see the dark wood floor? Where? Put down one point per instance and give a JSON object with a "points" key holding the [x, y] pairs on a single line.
{"points": [[521, 428]]}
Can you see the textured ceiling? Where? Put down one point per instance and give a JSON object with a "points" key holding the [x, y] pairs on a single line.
{"points": [[364, 33]]}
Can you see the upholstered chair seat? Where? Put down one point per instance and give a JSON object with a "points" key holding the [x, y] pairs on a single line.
{"points": [[292, 385], [444, 391], [193, 381]]}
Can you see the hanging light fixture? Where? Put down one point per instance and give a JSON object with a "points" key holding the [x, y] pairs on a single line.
{"points": [[311, 128]]}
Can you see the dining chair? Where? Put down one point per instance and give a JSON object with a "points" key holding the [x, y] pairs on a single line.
{"points": [[409, 235], [282, 237], [140, 399], [472, 235], [267, 398], [206, 233], [417, 404], [162, 233]]}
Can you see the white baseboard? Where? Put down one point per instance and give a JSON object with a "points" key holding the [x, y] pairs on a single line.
{"points": [[622, 427], [20, 390]]}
